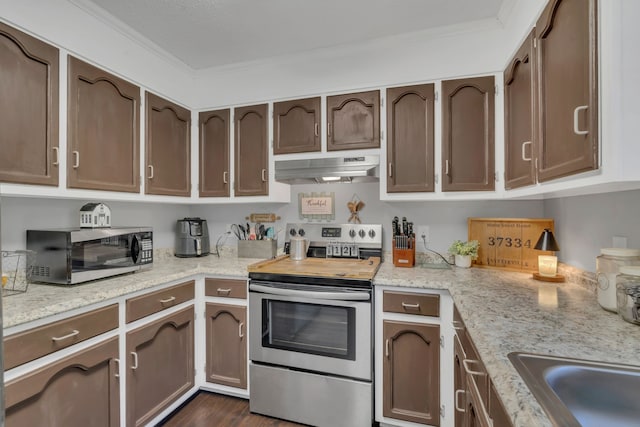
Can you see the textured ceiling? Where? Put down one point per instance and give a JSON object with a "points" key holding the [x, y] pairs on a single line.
{"points": [[208, 33]]}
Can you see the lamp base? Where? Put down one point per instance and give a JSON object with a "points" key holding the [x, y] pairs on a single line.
{"points": [[556, 278]]}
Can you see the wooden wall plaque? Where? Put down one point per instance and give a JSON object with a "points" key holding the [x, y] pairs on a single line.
{"points": [[508, 243]]}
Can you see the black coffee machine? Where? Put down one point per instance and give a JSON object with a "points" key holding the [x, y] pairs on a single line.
{"points": [[192, 238]]}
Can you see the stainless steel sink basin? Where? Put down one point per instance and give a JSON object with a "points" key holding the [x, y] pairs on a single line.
{"points": [[583, 393]]}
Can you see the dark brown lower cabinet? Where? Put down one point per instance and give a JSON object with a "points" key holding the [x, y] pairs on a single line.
{"points": [[411, 372], [475, 398], [226, 345], [160, 365], [81, 390]]}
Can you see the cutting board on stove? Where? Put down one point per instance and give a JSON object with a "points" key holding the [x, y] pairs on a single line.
{"points": [[360, 269]]}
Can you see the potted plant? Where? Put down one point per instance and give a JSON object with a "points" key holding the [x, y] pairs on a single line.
{"points": [[464, 252]]}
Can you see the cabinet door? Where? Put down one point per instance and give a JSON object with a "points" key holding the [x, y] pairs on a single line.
{"points": [[296, 126], [459, 384], [497, 412], [214, 153], [226, 345], [520, 143], [353, 121], [567, 88], [251, 151], [468, 134], [80, 390], [159, 365], [168, 147], [28, 109], [411, 372], [410, 138], [103, 132]]}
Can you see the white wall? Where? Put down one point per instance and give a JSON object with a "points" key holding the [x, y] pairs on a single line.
{"points": [[584, 224], [20, 214]]}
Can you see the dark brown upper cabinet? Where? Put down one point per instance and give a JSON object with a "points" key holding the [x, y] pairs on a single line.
{"points": [[410, 139], [567, 88], [251, 151], [353, 121], [168, 147], [103, 132], [468, 127], [296, 126], [520, 143], [214, 153], [28, 109]]}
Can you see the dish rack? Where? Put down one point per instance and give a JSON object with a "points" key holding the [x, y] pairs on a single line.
{"points": [[17, 268], [405, 257]]}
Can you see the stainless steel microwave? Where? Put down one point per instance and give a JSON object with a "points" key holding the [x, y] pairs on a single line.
{"points": [[70, 256]]}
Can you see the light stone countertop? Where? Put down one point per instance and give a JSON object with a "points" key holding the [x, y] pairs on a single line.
{"points": [[503, 311]]}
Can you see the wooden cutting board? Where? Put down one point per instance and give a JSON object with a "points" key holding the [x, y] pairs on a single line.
{"points": [[359, 269], [508, 243]]}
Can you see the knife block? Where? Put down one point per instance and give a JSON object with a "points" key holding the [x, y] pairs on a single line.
{"points": [[405, 257]]}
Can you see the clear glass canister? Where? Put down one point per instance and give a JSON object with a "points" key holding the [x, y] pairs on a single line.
{"points": [[608, 265], [628, 289]]}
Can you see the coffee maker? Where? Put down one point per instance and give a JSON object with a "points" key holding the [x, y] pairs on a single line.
{"points": [[192, 238]]}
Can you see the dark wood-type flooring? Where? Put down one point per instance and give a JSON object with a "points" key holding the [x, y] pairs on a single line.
{"points": [[216, 410]]}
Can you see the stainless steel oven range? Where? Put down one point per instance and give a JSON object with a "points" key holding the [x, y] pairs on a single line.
{"points": [[311, 336]]}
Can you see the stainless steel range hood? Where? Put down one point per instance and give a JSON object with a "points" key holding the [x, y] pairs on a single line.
{"points": [[328, 170]]}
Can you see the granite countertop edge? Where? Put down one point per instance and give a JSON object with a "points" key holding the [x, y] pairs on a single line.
{"points": [[503, 311]]}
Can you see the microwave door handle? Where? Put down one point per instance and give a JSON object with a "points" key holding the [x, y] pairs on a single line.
{"points": [[341, 296]]}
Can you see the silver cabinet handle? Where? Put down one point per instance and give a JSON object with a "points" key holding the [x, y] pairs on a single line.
{"points": [[150, 172], [524, 157], [224, 291], [240, 334], [576, 128], [468, 370], [264, 175], [386, 348], [117, 374], [411, 306], [167, 300], [446, 167], [76, 159], [456, 400], [316, 129], [457, 325], [328, 129], [64, 337], [225, 177], [135, 361], [390, 169], [56, 157]]}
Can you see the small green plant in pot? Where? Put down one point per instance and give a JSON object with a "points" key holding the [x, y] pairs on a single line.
{"points": [[464, 252]]}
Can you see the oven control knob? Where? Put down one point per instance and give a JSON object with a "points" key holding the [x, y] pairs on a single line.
{"points": [[352, 233], [292, 231], [362, 233], [372, 234], [301, 232]]}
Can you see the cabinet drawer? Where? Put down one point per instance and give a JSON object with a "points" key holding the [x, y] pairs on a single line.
{"points": [[227, 288], [147, 304], [29, 345], [410, 303]]}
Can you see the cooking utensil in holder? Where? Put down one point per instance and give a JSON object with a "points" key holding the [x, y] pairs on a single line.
{"points": [[405, 257], [17, 267]]}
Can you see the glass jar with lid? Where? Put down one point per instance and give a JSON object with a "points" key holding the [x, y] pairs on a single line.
{"points": [[608, 265], [628, 290]]}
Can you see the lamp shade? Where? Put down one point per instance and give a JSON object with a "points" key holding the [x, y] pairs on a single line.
{"points": [[547, 242]]}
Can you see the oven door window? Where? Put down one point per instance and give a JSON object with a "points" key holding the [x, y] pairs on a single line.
{"points": [[323, 330]]}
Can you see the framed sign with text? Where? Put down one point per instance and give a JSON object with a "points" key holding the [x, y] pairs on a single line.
{"points": [[317, 206], [508, 243]]}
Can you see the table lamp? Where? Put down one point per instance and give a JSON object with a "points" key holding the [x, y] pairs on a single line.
{"points": [[547, 264]]}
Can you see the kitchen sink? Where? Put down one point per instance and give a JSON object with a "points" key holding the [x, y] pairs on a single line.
{"points": [[583, 393]]}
